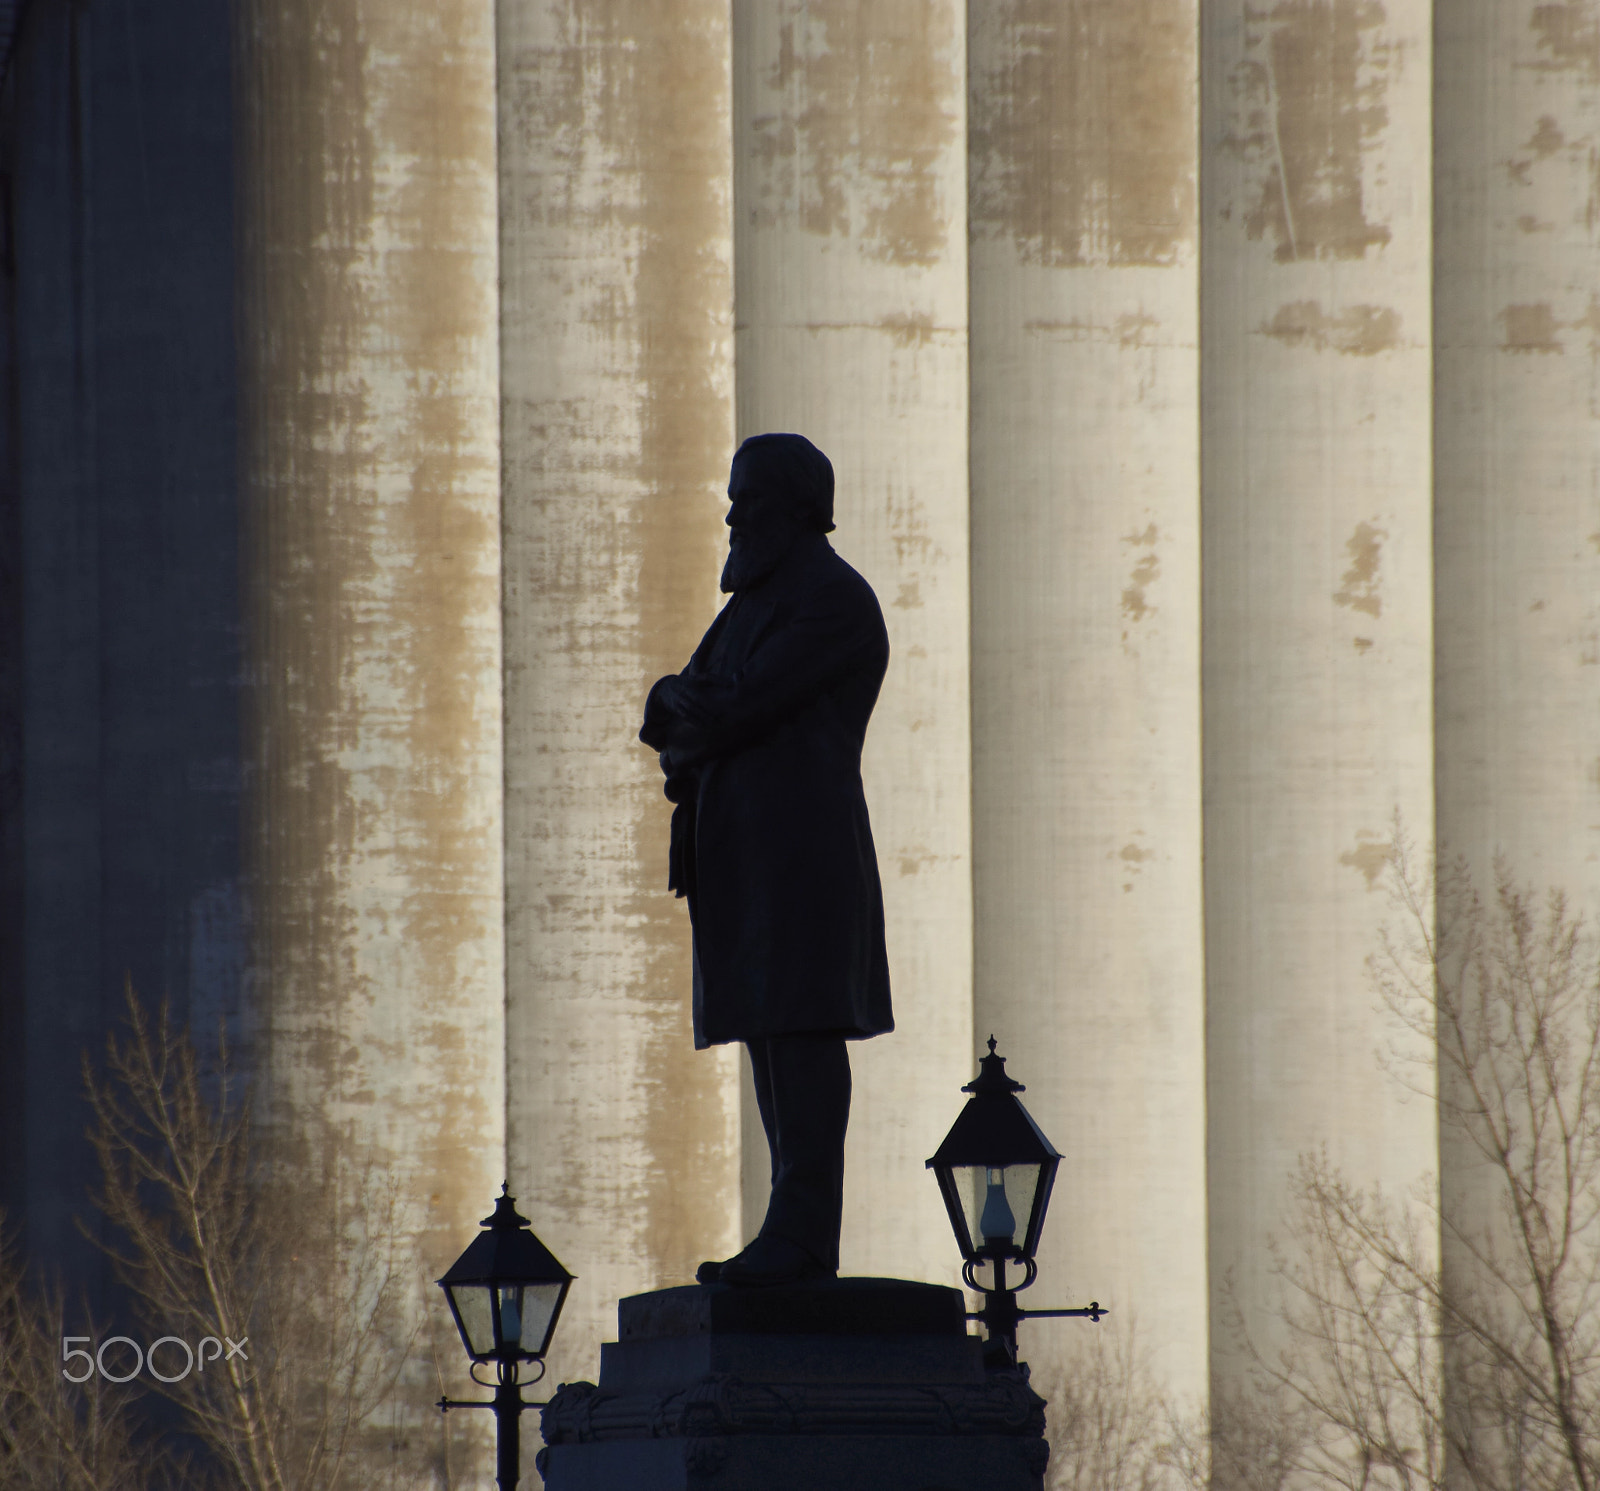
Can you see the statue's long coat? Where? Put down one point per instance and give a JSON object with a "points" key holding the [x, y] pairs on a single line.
{"points": [[770, 839]]}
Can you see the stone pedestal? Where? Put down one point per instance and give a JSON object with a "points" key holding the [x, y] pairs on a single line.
{"points": [[850, 1383]]}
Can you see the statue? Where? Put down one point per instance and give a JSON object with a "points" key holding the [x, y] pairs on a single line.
{"points": [[760, 739]]}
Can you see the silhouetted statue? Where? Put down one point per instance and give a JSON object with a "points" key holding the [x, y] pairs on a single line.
{"points": [[760, 739]]}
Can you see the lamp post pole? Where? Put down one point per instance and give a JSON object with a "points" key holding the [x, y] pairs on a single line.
{"points": [[508, 1429], [507, 1405]]}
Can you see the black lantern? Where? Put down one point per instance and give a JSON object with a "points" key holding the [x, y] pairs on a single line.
{"points": [[506, 1292], [995, 1170]]}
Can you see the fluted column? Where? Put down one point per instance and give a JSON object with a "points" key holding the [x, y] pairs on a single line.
{"points": [[1086, 643], [617, 374], [1316, 375], [851, 268]]}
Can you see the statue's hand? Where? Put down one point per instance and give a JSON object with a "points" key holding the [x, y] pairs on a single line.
{"points": [[660, 712], [681, 700], [680, 720], [678, 784]]}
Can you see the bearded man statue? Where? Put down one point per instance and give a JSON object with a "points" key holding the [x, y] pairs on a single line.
{"points": [[760, 739]]}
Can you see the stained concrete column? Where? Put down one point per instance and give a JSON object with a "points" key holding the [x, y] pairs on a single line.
{"points": [[616, 323], [372, 566], [1517, 451], [851, 268], [1086, 641], [1517, 479], [1316, 598]]}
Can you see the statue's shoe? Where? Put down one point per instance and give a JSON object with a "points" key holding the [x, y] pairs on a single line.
{"points": [[770, 1261], [710, 1272]]}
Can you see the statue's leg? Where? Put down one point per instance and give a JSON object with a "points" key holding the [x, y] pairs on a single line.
{"points": [[761, 1071], [710, 1272], [809, 1097]]}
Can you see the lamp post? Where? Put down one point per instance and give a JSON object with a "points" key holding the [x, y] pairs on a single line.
{"points": [[506, 1293], [995, 1170]]}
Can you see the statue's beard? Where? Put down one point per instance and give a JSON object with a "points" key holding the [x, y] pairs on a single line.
{"points": [[753, 555]]}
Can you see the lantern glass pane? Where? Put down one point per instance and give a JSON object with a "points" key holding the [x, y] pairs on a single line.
{"points": [[508, 1301], [535, 1305], [477, 1318], [997, 1200]]}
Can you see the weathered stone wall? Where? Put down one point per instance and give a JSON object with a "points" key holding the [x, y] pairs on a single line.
{"points": [[1517, 440], [1517, 488]]}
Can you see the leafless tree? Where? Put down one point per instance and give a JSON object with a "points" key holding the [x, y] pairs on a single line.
{"points": [[1355, 1386], [1238, 1439], [58, 1434], [1508, 990], [1455, 1334], [1107, 1416], [308, 1265]]}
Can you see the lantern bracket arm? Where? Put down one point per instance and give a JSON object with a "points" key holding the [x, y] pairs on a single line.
{"points": [[1092, 1311], [444, 1405]]}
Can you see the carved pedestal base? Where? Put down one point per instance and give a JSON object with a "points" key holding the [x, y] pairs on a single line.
{"points": [[853, 1383]]}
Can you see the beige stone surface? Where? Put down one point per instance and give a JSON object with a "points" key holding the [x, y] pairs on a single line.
{"points": [[1089, 963], [1316, 596], [1518, 440], [616, 336], [1517, 459]]}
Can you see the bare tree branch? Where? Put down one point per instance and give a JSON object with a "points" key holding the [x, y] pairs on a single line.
{"points": [[57, 1434], [309, 1264]]}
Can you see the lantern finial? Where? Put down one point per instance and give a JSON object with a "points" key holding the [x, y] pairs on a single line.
{"points": [[505, 1217], [992, 1075]]}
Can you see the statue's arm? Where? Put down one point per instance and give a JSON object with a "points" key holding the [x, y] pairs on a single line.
{"points": [[835, 633], [669, 707]]}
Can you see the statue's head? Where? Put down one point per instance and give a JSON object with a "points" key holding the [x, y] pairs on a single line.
{"points": [[788, 474], [780, 487]]}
